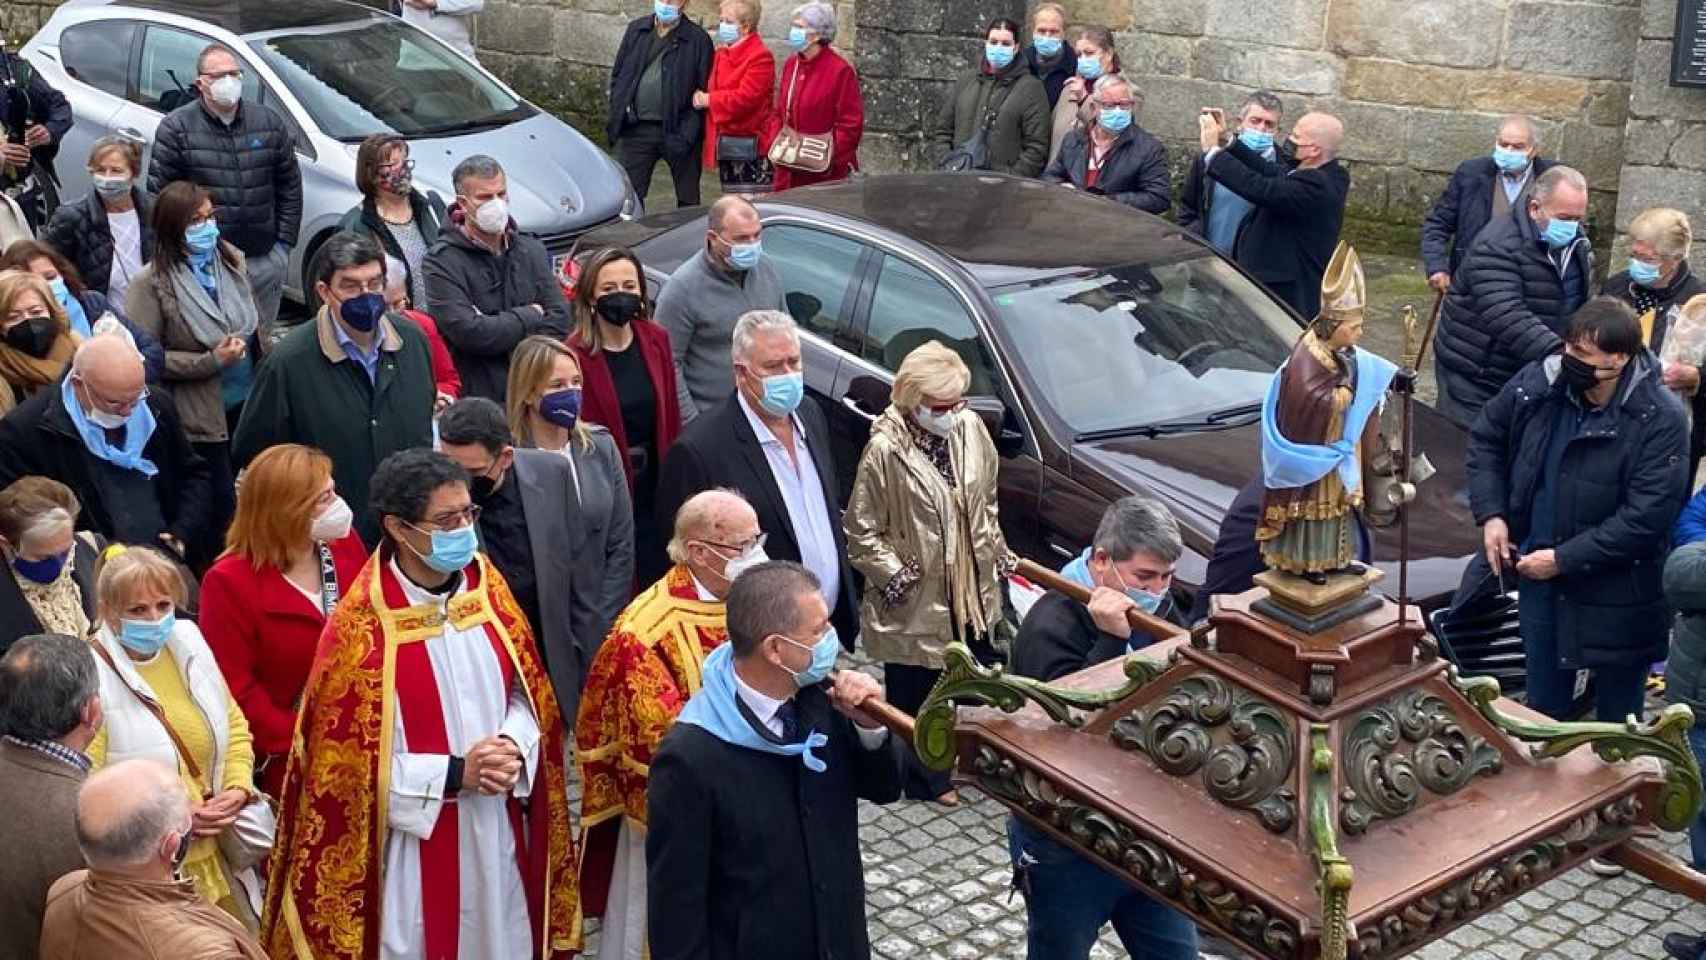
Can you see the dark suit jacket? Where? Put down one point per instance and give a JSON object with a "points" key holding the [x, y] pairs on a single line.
{"points": [[556, 531], [749, 854], [1463, 208], [703, 458], [1292, 232], [18, 619]]}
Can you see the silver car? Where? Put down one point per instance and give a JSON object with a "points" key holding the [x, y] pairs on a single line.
{"points": [[336, 72]]}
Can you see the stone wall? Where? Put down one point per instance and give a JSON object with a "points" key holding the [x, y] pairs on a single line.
{"points": [[20, 18], [1665, 141]]}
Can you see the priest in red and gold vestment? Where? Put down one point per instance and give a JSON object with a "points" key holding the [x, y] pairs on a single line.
{"points": [[640, 679], [424, 812]]}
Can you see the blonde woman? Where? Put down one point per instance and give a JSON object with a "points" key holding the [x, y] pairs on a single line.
{"points": [[922, 527], [545, 390], [165, 700], [36, 341], [1657, 283]]}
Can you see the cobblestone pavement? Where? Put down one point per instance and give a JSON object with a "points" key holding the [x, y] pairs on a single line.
{"points": [[937, 889]]}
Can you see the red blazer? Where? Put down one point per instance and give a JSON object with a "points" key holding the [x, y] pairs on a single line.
{"points": [[600, 405], [444, 374], [263, 632], [742, 78], [828, 99]]}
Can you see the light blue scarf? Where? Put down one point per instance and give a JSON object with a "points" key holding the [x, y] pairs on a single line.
{"points": [[1078, 570], [1286, 464], [716, 710], [137, 431]]}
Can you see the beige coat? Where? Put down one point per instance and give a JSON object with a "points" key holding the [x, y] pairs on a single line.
{"points": [[1068, 113], [99, 916], [192, 370], [38, 803], [902, 510]]}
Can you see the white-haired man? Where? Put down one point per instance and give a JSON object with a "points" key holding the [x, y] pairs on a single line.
{"points": [[1481, 190], [780, 460], [1114, 157], [120, 447]]}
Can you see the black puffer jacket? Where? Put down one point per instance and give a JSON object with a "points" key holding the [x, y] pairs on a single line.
{"points": [[249, 166], [483, 303], [1133, 173], [80, 230], [1506, 308], [1620, 486]]}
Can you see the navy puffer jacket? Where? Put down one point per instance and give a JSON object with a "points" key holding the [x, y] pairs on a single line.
{"points": [[248, 166]]}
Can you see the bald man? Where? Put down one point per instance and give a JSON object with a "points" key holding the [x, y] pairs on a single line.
{"points": [[704, 298], [133, 826], [119, 446], [641, 677], [1298, 200]]}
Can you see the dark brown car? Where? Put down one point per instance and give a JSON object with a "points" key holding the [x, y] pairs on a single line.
{"points": [[1111, 353]]}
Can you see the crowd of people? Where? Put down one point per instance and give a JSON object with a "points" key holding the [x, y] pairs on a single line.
{"points": [[305, 629]]}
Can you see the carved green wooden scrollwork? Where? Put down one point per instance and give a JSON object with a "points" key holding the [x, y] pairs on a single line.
{"points": [[1423, 919], [965, 680], [1253, 772], [1382, 783], [1666, 739], [1334, 876], [1146, 860]]}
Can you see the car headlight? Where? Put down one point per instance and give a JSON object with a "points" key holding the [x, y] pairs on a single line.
{"points": [[632, 208]]}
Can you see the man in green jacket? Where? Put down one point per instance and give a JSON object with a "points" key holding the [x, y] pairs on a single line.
{"points": [[356, 384]]}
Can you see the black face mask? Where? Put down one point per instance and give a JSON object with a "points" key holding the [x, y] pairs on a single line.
{"points": [[1287, 153], [481, 488], [183, 851], [34, 336], [1578, 374], [621, 308]]}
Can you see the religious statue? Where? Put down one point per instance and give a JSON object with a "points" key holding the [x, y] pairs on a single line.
{"points": [[1319, 430]]}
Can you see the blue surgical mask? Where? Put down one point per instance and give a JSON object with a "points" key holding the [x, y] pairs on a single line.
{"points": [[1146, 601], [1115, 119], [146, 637], [999, 56], [451, 549], [824, 652], [1046, 46], [202, 237], [1643, 272], [1560, 233], [797, 38], [727, 33], [1089, 67], [1260, 141], [1510, 161], [666, 12], [61, 292], [783, 393], [745, 256]]}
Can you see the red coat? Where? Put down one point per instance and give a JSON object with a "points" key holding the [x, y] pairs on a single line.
{"points": [[742, 96], [828, 99], [600, 405], [263, 632], [444, 374]]}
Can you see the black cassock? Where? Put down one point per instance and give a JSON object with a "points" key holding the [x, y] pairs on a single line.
{"points": [[749, 854]]}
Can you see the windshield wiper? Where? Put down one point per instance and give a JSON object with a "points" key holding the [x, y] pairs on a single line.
{"points": [[1237, 416]]}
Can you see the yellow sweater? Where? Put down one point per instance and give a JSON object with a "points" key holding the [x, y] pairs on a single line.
{"points": [[204, 864]]}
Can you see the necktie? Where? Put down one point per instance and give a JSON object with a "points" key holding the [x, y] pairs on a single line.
{"points": [[790, 718]]}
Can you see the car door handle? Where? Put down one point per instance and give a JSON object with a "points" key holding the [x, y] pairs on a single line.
{"points": [[853, 405], [131, 133]]}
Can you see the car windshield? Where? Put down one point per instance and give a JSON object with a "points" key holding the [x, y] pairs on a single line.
{"points": [[384, 76], [1144, 344]]}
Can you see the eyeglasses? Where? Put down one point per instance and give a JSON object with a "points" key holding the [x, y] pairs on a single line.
{"points": [[756, 543], [403, 164], [112, 406], [453, 519], [225, 73]]}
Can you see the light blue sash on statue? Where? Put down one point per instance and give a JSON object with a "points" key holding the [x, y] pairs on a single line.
{"points": [[1286, 464]]}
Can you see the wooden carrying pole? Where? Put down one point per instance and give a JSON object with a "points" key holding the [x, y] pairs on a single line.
{"points": [[1664, 870], [1147, 622]]}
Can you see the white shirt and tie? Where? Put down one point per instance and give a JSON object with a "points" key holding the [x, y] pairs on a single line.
{"points": [[801, 486]]}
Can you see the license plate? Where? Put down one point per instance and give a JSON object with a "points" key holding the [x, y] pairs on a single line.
{"points": [[557, 261]]}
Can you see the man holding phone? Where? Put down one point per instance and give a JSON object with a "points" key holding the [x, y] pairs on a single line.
{"points": [[1577, 471]]}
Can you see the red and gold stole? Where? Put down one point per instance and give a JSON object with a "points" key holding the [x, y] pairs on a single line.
{"points": [[325, 888], [639, 680]]}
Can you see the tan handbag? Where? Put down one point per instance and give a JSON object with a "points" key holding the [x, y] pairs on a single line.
{"points": [[800, 151]]}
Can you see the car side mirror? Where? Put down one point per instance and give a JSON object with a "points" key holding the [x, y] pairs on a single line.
{"points": [[1009, 442]]}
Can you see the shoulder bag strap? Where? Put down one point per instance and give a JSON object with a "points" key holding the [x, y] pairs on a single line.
{"points": [[793, 88], [328, 579], [155, 709]]}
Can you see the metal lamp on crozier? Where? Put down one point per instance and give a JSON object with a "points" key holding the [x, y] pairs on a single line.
{"points": [[1305, 775]]}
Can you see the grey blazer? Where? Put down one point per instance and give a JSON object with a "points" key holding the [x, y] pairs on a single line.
{"points": [[594, 558]]}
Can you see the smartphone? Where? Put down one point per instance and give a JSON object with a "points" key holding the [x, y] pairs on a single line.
{"points": [[1218, 114]]}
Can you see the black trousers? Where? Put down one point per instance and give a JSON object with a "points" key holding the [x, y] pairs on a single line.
{"points": [[638, 151], [906, 687]]}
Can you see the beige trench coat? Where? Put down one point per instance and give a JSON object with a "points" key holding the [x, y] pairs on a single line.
{"points": [[902, 510]]}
